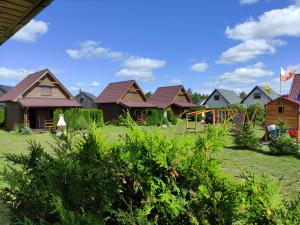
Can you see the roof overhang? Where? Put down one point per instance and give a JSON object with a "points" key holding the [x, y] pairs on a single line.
{"points": [[14, 14]]}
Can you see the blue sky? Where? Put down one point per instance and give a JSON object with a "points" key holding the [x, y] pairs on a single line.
{"points": [[234, 44]]}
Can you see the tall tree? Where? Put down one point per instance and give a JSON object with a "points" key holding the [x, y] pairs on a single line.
{"points": [[243, 95]]}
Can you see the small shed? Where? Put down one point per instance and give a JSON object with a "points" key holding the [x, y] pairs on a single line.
{"points": [[117, 97], [86, 99], [220, 98], [259, 95], [174, 97], [286, 109]]}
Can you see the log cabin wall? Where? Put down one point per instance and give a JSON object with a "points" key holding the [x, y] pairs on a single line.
{"points": [[111, 111], [133, 95], [37, 90], [290, 113]]}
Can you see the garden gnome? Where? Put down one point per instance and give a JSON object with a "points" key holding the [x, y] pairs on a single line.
{"points": [[61, 126], [165, 120]]}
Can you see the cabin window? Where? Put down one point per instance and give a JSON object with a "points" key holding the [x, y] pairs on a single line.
{"points": [[257, 95], [46, 91], [216, 97], [280, 109]]}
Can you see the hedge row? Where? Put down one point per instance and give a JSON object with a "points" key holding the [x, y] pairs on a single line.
{"points": [[155, 117], [79, 119]]}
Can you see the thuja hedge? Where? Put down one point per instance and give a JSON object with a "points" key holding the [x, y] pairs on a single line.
{"points": [[155, 117], [79, 119], [145, 178]]}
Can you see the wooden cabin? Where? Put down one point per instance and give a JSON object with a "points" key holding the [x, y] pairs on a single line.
{"points": [[16, 14], [259, 95], [173, 97], [221, 98], [34, 100], [117, 97], [286, 109]]}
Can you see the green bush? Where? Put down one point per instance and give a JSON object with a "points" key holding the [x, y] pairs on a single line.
{"points": [[238, 106], [2, 116], [246, 137], [146, 178], [79, 119], [283, 145], [155, 117], [26, 131], [125, 119], [260, 116]]}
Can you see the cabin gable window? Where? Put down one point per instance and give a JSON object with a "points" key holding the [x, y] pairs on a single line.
{"points": [[280, 109], [216, 97], [257, 95], [46, 91]]}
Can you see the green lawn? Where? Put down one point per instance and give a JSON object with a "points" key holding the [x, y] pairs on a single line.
{"points": [[286, 168]]}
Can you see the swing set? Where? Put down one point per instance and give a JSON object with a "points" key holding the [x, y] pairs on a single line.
{"points": [[217, 116]]}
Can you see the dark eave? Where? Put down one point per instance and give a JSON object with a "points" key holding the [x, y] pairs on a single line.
{"points": [[14, 14]]}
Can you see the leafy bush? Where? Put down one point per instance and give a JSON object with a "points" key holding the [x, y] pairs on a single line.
{"points": [[283, 145], [144, 179], [238, 106], [2, 116], [260, 116], [26, 131], [171, 117], [125, 119], [246, 137], [155, 117], [80, 119]]}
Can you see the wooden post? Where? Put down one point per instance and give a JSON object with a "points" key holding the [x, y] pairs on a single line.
{"points": [[186, 122], [26, 124], [214, 117], [196, 123]]}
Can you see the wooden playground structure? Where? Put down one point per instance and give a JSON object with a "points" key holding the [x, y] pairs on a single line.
{"points": [[217, 116]]}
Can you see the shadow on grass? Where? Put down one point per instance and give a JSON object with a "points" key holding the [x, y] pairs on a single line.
{"points": [[261, 151]]}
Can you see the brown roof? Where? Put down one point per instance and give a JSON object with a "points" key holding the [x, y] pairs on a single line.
{"points": [[295, 88], [165, 96], [16, 14], [114, 92], [48, 102], [136, 104], [17, 91]]}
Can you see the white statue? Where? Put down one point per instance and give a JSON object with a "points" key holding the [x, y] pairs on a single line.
{"points": [[61, 126]]}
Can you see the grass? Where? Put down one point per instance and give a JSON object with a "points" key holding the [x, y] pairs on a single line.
{"points": [[284, 168]]}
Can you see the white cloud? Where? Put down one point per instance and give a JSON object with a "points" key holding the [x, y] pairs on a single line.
{"points": [[13, 74], [144, 75], [87, 85], [294, 67], [175, 81], [272, 24], [143, 63], [248, 2], [241, 79], [31, 31], [133, 67], [248, 50], [92, 49], [245, 75], [199, 67], [259, 35]]}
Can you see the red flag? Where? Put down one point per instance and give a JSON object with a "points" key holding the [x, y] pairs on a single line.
{"points": [[284, 76]]}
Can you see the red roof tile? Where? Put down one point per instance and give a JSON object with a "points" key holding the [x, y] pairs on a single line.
{"points": [[165, 96], [48, 102], [291, 100], [185, 104], [295, 88]]}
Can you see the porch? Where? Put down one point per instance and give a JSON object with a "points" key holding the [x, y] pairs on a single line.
{"points": [[39, 118]]}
